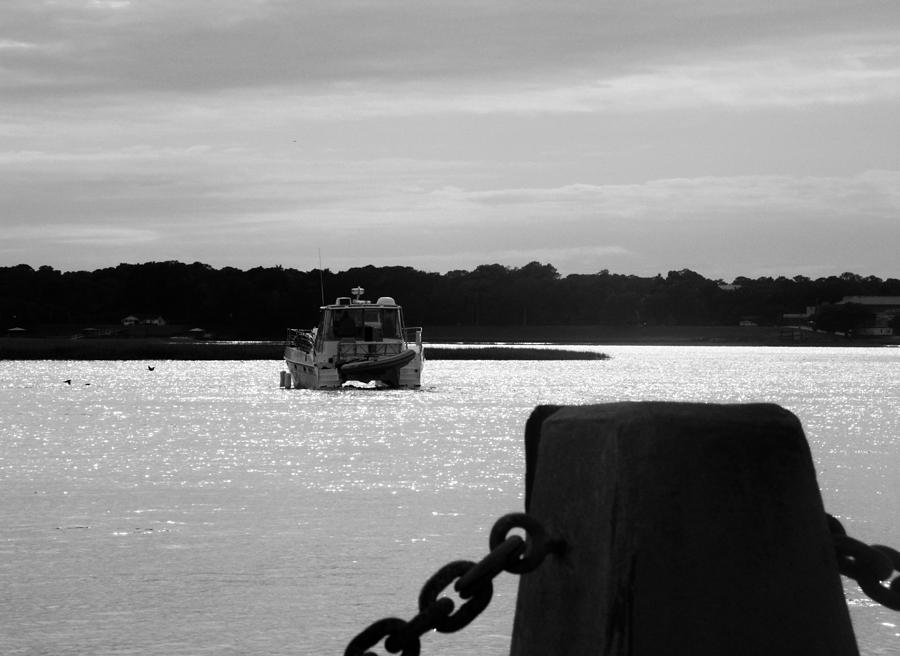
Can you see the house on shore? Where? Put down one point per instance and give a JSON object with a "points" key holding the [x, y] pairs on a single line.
{"points": [[151, 325], [885, 309], [132, 320], [877, 319]]}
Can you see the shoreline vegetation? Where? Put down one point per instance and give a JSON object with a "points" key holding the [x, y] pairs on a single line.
{"points": [[445, 343], [491, 303], [509, 352], [150, 349]]}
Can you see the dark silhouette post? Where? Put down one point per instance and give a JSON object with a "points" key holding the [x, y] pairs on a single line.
{"points": [[691, 529]]}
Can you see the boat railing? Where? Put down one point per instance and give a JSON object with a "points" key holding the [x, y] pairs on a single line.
{"points": [[350, 350], [413, 336], [301, 339]]}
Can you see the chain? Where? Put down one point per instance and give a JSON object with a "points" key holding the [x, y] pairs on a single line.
{"points": [[873, 567], [868, 565], [474, 584]]}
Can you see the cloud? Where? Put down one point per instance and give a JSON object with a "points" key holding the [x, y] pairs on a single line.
{"points": [[873, 193], [102, 236], [727, 226], [590, 135], [345, 59], [199, 193]]}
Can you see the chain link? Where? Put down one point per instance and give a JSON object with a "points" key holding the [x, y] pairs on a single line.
{"points": [[473, 583], [876, 568], [868, 565]]}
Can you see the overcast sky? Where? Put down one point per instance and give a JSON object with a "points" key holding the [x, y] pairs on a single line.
{"points": [[728, 137]]}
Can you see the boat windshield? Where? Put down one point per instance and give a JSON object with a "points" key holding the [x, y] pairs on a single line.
{"points": [[370, 324]]}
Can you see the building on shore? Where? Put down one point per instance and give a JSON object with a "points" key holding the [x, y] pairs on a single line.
{"points": [[884, 309]]}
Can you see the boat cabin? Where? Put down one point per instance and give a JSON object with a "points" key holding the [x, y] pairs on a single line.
{"points": [[362, 320]]}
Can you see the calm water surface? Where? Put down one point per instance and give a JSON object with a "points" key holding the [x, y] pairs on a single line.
{"points": [[200, 509]]}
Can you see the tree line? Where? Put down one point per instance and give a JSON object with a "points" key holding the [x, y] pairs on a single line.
{"points": [[261, 302]]}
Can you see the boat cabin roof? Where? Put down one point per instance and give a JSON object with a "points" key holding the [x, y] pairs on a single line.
{"points": [[347, 303]]}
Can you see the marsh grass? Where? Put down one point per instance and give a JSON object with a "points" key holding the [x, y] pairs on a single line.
{"points": [[510, 353], [52, 348]]}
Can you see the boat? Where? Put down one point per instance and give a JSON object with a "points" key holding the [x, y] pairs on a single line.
{"points": [[355, 342]]}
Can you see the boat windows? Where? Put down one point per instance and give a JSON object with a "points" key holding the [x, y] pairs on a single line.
{"points": [[368, 324], [371, 317], [390, 324], [344, 324]]}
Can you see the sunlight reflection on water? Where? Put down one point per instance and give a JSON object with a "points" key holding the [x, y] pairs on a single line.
{"points": [[202, 503]]}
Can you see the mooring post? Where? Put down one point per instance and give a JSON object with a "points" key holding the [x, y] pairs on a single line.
{"points": [[693, 529]]}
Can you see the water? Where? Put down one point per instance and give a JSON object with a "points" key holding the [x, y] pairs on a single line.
{"points": [[200, 509]]}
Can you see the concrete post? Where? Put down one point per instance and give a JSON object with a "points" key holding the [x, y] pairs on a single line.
{"points": [[692, 529]]}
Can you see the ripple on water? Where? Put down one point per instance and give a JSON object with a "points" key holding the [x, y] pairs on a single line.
{"points": [[202, 503]]}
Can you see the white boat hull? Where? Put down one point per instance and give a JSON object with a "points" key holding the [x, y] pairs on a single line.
{"points": [[307, 373]]}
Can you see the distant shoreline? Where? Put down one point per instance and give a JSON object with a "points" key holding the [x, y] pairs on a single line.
{"points": [[649, 336], [64, 348], [149, 349]]}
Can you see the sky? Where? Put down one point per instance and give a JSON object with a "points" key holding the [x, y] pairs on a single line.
{"points": [[732, 138]]}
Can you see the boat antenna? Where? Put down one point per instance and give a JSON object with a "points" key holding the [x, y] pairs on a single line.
{"points": [[321, 277]]}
